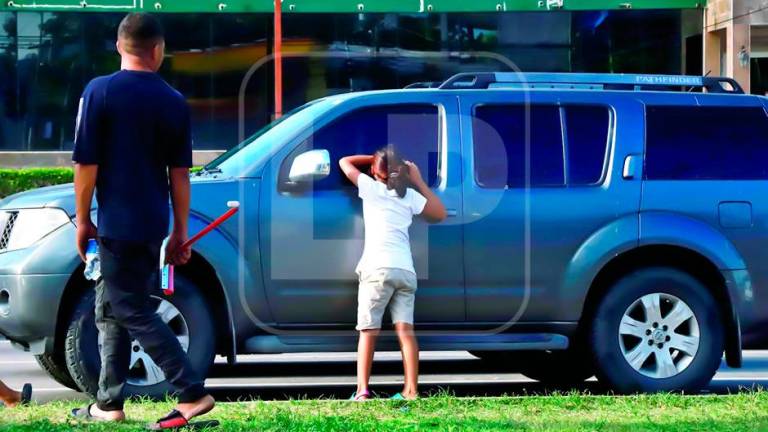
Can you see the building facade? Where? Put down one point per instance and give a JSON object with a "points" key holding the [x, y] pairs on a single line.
{"points": [[736, 42], [49, 52]]}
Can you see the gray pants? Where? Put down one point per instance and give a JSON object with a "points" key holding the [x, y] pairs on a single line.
{"points": [[123, 310], [384, 287]]}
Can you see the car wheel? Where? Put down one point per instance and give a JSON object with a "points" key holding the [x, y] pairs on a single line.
{"points": [[186, 313], [658, 329], [56, 367], [556, 368]]}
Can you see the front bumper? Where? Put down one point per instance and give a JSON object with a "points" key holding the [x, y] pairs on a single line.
{"points": [[32, 282], [28, 308]]}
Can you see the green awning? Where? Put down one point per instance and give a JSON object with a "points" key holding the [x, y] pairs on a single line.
{"points": [[343, 6]]}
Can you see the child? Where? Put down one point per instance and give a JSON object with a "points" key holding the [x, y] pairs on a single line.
{"points": [[386, 272]]}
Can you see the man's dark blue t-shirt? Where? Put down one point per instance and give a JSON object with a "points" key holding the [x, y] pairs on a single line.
{"points": [[134, 126]]}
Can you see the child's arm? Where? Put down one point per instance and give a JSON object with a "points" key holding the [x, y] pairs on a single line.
{"points": [[349, 165], [434, 210]]}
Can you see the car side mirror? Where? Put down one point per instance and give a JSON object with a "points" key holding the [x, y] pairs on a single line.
{"points": [[310, 166]]}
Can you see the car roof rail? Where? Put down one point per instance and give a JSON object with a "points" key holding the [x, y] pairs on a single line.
{"points": [[591, 81], [424, 84]]}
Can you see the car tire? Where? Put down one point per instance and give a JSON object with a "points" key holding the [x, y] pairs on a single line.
{"points": [[561, 368], [55, 366], [193, 322], [657, 330]]}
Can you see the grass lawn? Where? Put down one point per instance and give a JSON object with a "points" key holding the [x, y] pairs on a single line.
{"points": [[574, 412]]}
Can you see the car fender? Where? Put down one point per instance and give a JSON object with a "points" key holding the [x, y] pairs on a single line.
{"points": [[247, 305], [678, 230], [675, 229], [611, 240]]}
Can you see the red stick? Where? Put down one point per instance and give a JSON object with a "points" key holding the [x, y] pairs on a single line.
{"points": [[234, 206], [220, 220]]}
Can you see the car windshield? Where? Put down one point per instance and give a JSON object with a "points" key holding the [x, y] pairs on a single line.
{"points": [[258, 146]]}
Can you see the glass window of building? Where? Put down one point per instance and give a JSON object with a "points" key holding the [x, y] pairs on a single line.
{"points": [[46, 59]]}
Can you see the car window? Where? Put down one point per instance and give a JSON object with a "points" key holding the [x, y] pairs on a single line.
{"points": [[499, 134], [287, 117], [706, 143], [587, 129], [413, 128], [499, 140]]}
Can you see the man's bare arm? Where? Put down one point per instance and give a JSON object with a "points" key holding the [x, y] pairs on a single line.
{"points": [[85, 184], [180, 198]]}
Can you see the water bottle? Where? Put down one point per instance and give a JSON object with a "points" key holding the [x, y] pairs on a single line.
{"points": [[92, 263]]}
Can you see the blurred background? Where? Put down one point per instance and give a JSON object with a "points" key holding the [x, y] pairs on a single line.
{"points": [[46, 58]]}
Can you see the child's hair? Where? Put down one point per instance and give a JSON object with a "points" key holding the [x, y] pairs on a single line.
{"points": [[397, 170]]}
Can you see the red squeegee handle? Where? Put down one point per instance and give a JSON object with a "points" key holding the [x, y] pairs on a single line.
{"points": [[234, 206]]}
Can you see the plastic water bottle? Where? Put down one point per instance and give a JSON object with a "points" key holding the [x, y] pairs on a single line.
{"points": [[92, 262]]}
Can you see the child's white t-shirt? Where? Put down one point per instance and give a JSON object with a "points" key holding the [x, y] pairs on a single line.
{"points": [[387, 218]]}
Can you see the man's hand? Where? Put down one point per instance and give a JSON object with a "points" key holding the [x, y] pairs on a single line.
{"points": [[85, 231], [174, 253], [414, 174]]}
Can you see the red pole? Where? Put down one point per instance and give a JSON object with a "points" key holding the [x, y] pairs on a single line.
{"points": [[220, 220], [278, 52]]}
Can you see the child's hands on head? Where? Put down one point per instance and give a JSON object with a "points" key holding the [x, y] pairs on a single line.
{"points": [[414, 173]]}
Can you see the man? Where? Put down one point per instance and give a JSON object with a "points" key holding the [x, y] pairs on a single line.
{"points": [[11, 398], [133, 146]]}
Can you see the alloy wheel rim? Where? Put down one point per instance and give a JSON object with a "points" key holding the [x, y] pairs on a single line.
{"points": [[143, 371], [659, 335]]}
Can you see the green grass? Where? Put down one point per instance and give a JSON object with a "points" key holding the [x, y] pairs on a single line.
{"points": [[572, 412]]}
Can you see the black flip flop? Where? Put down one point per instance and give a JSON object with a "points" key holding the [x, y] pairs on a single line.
{"points": [[175, 421], [26, 395]]}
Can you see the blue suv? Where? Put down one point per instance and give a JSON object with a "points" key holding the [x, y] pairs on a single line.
{"points": [[608, 225]]}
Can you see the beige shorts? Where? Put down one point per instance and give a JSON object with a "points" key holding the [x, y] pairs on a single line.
{"points": [[379, 288]]}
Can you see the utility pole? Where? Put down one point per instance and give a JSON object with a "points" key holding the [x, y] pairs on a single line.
{"points": [[278, 56]]}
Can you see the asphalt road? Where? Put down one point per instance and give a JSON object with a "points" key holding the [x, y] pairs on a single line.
{"points": [[331, 375]]}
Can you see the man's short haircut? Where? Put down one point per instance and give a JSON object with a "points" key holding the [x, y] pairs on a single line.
{"points": [[139, 33]]}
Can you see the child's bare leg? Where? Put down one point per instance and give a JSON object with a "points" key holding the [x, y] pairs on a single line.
{"points": [[9, 397], [409, 347], [366, 346]]}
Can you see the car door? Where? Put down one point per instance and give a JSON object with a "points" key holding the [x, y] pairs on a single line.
{"points": [[312, 233], [543, 180]]}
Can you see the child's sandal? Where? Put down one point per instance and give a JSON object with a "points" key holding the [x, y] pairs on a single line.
{"points": [[361, 397]]}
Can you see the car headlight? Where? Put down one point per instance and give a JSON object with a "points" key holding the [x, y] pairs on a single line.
{"points": [[22, 228]]}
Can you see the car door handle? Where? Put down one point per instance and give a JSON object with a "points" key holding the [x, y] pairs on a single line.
{"points": [[632, 167], [451, 212]]}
